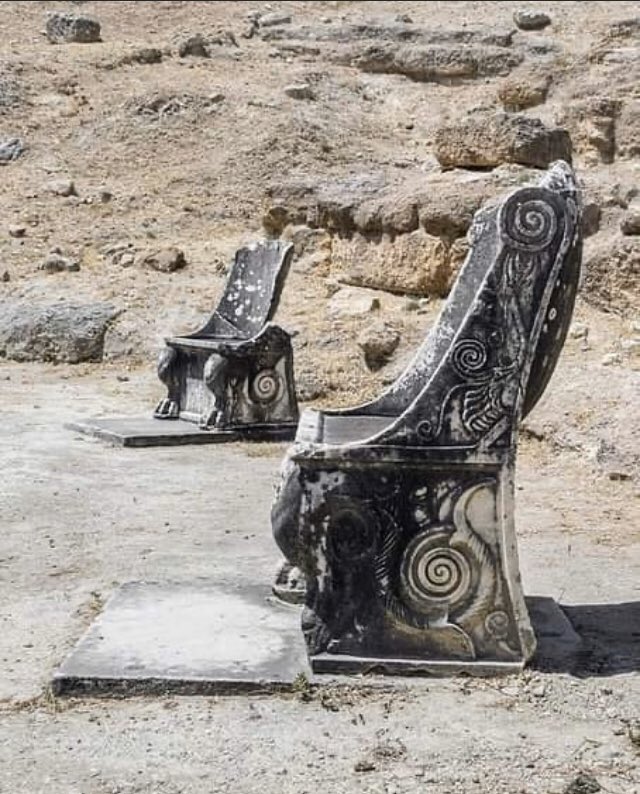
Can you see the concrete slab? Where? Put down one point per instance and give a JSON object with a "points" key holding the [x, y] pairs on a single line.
{"points": [[195, 638], [199, 638], [145, 431]]}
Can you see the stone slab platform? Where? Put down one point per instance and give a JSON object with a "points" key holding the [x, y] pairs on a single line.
{"points": [[203, 638], [197, 638], [145, 431]]}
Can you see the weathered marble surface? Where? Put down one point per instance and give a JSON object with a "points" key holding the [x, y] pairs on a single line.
{"points": [[236, 371], [400, 513]]}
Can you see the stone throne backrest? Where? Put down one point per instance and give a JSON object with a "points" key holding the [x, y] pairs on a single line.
{"points": [[513, 299], [252, 291], [400, 512]]}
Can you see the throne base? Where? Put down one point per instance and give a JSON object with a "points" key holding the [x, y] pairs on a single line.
{"points": [[144, 431], [338, 664]]}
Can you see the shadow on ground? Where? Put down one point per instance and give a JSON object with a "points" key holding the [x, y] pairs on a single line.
{"points": [[606, 640]]}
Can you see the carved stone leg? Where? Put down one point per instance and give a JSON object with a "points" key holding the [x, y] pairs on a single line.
{"points": [[169, 407], [290, 583], [216, 379]]}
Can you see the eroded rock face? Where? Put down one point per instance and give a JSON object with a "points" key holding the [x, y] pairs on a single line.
{"points": [[524, 91], [487, 140], [591, 123], [628, 129], [404, 237], [59, 332], [416, 263], [389, 29], [612, 273], [72, 28]]}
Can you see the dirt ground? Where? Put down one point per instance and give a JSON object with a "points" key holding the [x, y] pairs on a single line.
{"points": [[79, 518]]}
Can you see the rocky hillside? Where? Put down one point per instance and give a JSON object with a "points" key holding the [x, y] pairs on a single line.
{"points": [[142, 142]]}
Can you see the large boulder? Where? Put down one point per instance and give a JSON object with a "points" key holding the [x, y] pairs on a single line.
{"points": [[58, 332], [531, 19], [487, 140], [319, 204], [416, 263], [438, 63], [65, 28]]}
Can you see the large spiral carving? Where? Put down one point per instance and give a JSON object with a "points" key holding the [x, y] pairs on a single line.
{"points": [[265, 386], [529, 220], [469, 357], [433, 574], [353, 531]]}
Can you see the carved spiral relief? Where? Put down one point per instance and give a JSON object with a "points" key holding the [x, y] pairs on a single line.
{"points": [[497, 624], [528, 224], [353, 534], [433, 574], [265, 386], [469, 357]]}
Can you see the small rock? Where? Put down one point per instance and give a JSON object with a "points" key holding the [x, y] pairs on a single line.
{"points": [[72, 28], [165, 260], [630, 223], [273, 19], [617, 475], [143, 55], [196, 46], [104, 195], [6, 276], [364, 765], [61, 187], [10, 150], [353, 302], [309, 386], [17, 230], [539, 691], [610, 359], [378, 342], [583, 784], [524, 91], [591, 216], [579, 331], [126, 259], [56, 263], [411, 305], [299, 91], [531, 20]]}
